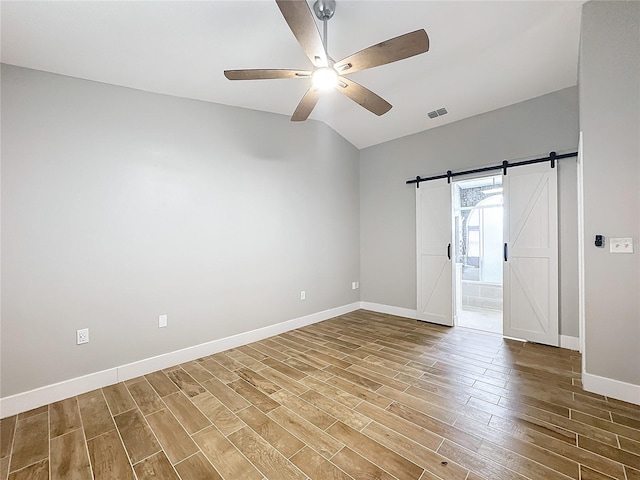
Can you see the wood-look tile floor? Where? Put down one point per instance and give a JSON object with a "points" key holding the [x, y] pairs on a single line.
{"points": [[364, 396]]}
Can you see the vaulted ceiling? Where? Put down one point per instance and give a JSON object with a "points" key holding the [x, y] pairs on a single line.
{"points": [[483, 55]]}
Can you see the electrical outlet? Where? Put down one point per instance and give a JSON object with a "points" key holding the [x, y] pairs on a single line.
{"points": [[82, 336], [621, 245], [162, 321], [303, 295], [355, 285]]}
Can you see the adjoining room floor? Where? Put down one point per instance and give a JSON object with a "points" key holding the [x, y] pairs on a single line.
{"points": [[485, 320], [362, 396]]}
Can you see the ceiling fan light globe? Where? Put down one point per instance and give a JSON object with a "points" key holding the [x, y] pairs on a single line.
{"points": [[325, 78]]}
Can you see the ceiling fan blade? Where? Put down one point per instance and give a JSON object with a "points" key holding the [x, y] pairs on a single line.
{"points": [[363, 96], [258, 74], [299, 17], [306, 105], [392, 50]]}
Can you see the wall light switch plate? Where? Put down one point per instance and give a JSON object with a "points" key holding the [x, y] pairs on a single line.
{"points": [[162, 321], [621, 245], [303, 295]]}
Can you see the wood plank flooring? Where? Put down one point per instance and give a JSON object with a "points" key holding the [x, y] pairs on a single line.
{"points": [[363, 396]]}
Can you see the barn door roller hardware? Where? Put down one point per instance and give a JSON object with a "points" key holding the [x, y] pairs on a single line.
{"points": [[552, 158]]}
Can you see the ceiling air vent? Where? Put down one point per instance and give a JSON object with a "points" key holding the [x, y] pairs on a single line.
{"points": [[437, 113]]}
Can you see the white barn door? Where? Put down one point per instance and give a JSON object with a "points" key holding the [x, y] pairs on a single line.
{"points": [[434, 250], [531, 253]]}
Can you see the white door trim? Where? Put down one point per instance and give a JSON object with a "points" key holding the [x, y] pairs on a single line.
{"points": [[581, 287]]}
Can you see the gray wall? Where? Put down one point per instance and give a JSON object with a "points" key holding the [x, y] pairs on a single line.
{"points": [[387, 205], [120, 205], [610, 121]]}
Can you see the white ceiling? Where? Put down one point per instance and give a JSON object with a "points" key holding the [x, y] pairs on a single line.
{"points": [[484, 54]]}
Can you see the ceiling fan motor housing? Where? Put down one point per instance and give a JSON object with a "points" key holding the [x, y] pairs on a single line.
{"points": [[324, 9]]}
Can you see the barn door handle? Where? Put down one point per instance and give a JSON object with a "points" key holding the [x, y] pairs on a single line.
{"points": [[449, 251], [506, 255]]}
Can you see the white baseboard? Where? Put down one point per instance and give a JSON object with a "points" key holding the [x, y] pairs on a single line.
{"points": [[389, 309], [572, 343], [38, 397], [609, 387], [25, 401]]}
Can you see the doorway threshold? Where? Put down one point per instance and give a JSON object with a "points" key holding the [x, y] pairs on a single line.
{"points": [[484, 320]]}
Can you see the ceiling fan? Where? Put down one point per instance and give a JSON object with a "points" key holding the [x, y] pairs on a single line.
{"points": [[327, 73]]}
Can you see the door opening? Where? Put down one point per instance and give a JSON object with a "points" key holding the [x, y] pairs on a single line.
{"points": [[478, 240], [501, 235]]}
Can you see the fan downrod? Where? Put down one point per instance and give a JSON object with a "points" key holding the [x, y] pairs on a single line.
{"points": [[324, 9]]}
